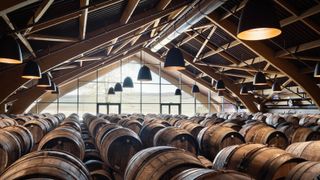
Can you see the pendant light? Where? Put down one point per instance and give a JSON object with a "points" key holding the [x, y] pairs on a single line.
{"points": [[44, 81], [317, 71], [244, 90], [174, 60], [220, 86], [127, 82], [177, 92], [276, 88], [111, 91], [250, 88], [144, 72], [258, 21], [118, 87], [31, 71], [10, 51], [195, 89], [52, 88], [259, 79]]}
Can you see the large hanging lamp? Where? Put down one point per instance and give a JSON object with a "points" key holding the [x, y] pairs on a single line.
{"points": [[276, 88], [317, 70], [195, 89], [127, 82], [52, 88], [250, 88], [220, 86], [244, 90], [118, 87], [31, 71], [111, 91], [174, 60], [259, 79], [258, 21], [44, 81], [177, 92], [10, 51], [144, 74]]}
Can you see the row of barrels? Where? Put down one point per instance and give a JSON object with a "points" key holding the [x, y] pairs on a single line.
{"points": [[18, 139]]}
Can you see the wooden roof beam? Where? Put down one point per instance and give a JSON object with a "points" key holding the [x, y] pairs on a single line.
{"points": [[44, 6], [299, 48], [221, 48], [203, 45], [234, 10], [83, 19], [54, 58], [12, 5], [305, 82], [304, 58], [160, 6], [128, 11], [40, 37]]}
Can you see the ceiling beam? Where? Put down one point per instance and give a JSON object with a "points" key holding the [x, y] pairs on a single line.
{"points": [[221, 48], [203, 45], [55, 58], [128, 11], [160, 6], [305, 82], [299, 48], [233, 10], [304, 58], [12, 5], [44, 6], [40, 37], [83, 19]]}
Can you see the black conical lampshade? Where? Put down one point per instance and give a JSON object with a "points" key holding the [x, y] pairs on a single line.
{"points": [[250, 88], [31, 71], [276, 87], [144, 74], [195, 89], [317, 71], [177, 92], [127, 82], [111, 90], [52, 88], [10, 51], [258, 21], [220, 85], [244, 90], [57, 91], [174, 60], [259, 79], [44, 81], [118, 87]]}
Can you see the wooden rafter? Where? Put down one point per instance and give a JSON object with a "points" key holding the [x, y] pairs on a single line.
{"points": [[299, 48], [203, 45], [44, 6], [305, 82], [160, 6], [12, 5], [40, 37], [83, 19], [191, 36], [221, 48]]}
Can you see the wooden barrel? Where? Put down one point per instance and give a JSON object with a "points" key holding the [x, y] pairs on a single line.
{"points": [[307, 150], [22, 119], [205, 162], [305, 170], [134, 125], [201, 174], [211, 140], [233, 126], [10, 149], [209, 121], [72, 124], [118, 146], [95, 125], [248, 131], [101, 175], [160, 162], [91, 154], [304, 134], [37, 128], [24, 137], [47, 164], [65, 139], [192, 128], [147, 133], [308, 121], [94, 164], [176, 137], [271, 137], [258, 160], [292, 119], [102, 131], [53, 122], [274, 119], [7, 122]]}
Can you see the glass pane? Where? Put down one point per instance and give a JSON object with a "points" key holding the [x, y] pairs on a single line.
{"points": [[113, 109], [70, 96], [165, 109], [150, 93], [187, 109], [131, 95], [47, 108], [202, 108], [67, 108], [130, 108], [87, 92], [151, 108], [174, 109], [167, 94], [187, 96], [103, 109]]}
